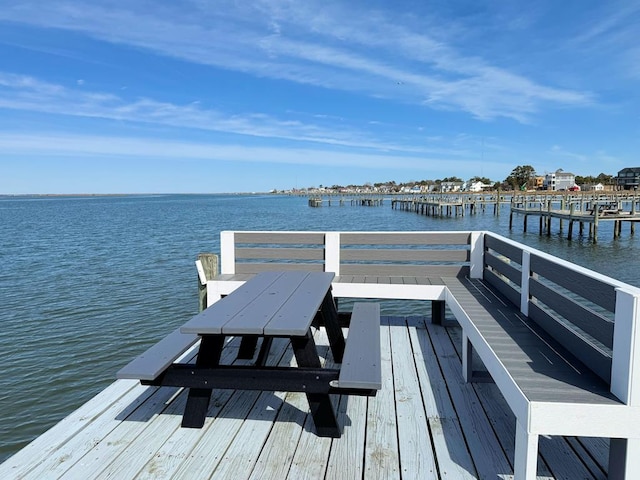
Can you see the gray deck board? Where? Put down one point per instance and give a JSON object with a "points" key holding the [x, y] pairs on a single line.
{"points": [[424, 418]]}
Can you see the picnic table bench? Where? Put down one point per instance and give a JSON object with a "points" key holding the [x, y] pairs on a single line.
{"points": [[270, 305]]}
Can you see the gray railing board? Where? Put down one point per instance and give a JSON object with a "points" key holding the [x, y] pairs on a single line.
{"points": [[510, 251], [404, 270], [315, 238], [409, 238], [250, 267], [587, 320], [405, 255], [502, 286], [282, 253], [585, 351], [589, 288], [503, 268]]}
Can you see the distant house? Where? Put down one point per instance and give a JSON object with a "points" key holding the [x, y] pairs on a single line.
{"points": [[451, 186], [559, 180], [628, 178], [598, 187], [539, 183], [477, 186]]}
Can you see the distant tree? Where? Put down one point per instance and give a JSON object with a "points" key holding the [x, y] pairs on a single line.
{"points": [[451, 179], [521, 177], [484, 180]]}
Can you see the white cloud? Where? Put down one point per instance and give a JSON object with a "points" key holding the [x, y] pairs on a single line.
{"points": [[19, 92], [52, 144], [336, 46]]}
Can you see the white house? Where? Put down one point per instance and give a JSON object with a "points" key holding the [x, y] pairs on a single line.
{"points": [[559, 180]]}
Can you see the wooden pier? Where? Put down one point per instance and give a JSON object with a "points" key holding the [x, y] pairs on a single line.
{"points": [[356, 200], [447, 205], [584, 209]]}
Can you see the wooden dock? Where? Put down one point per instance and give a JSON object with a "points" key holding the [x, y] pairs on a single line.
{"points": [[363, 201], [425, 423], [584, 209], [447, 205]]}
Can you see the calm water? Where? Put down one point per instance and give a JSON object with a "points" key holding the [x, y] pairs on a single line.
{"points": [[86, 284]]}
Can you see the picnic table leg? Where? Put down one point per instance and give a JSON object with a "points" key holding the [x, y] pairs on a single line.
{"points": [[247, 347], [322, 411], [197, 405], [329, 314]]}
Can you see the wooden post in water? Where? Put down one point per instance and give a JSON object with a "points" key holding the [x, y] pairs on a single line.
{"points": [[572, 207], [548, 218], [207, 265]]}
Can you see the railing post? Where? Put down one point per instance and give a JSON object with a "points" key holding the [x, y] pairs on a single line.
{"points": [[624, 458], [227, 252], [524, 284], [625, 365], [332, 252], [476, 254]]}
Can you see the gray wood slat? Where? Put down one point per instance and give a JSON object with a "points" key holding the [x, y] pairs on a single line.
{"points": [[260, 310], [595, 359], [158, 357], [503, 287], [280, 253], [503, 248], [315, 238], [404, 255], [267, 267], [587, 320], [361, 364], [596, 291], [504, 268], [408, 238], [295, 316], [404, 270], [212, 319]]}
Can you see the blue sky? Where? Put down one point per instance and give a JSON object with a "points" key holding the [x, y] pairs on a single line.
{"points": [[200, 96]]}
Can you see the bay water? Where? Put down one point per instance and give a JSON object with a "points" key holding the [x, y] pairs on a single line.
{"points": [[88, 283]]}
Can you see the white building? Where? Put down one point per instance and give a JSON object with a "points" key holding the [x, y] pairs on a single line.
{"points": [[559, 180]]}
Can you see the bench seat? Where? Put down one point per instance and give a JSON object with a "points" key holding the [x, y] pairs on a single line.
{"points": [[361, 363], [549, 390], [153, 362]]}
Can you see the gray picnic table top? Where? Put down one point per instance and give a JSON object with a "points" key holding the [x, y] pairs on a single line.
{"points": [[270, 304]]}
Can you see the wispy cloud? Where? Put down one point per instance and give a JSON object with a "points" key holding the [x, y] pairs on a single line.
{"points": [[90, 147], [25, 93], [338, 46]]}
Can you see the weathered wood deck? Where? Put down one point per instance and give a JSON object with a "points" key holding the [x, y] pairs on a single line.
{"points": [[425, 423]]}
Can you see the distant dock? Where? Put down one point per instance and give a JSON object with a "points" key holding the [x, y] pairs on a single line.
{"points": [[368, 200], [454, 204], [584, 208]]}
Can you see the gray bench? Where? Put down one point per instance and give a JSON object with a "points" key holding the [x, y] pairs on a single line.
{"points": [[553, 364], [154, 361]]}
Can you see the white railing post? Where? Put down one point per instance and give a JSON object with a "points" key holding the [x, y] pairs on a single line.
{"points": [[625, 365], [332, 252], [477, 254], [227, 252], [524, 284]]}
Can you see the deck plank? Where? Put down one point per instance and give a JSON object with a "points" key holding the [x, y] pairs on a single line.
{"points": [[413, 431], [381, 452], [454, 460]]}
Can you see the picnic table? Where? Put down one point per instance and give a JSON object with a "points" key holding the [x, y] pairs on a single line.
{"points": [[272, 305]]}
